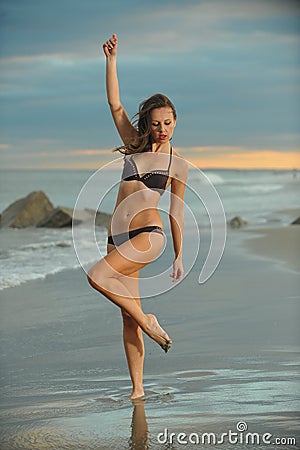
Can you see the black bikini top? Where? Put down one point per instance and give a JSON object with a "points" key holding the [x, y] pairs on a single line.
{"points": [[155, 180]]}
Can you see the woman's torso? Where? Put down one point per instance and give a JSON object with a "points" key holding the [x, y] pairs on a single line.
{"points": [[138, 195]]}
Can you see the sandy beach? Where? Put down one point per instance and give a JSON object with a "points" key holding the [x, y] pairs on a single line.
{"points": [[282, 244], [235, 356]]}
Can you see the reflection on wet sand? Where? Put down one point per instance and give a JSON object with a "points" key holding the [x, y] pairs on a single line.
{"points": [[139, 426]]}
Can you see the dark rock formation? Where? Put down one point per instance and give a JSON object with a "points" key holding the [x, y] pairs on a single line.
{"points": [[237, 222], [37, 210], [102, 219], [27, 211], [58, 218], [296, 222]]}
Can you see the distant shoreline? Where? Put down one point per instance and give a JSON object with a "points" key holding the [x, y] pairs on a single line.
{"points": [[85, 169]]}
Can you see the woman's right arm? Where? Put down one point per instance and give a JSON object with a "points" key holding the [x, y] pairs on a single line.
{"points": [[125, 129]]}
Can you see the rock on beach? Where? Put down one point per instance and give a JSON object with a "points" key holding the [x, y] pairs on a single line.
{"points": [[36, 210], [58, 218], [27, 211], [102, 219], [237, 222], [296, 221]]}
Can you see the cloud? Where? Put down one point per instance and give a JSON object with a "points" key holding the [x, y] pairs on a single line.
{"points": [[222, 157], [69, 27], [231, 67], [202, 25], [235, 159], [88, 152]]}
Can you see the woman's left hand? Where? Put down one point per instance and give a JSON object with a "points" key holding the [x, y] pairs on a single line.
{"points": [[177, 270], [110, 46]]}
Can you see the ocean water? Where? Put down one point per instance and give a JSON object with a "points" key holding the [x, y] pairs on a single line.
{"points": [[235, 355], [32, 253]]}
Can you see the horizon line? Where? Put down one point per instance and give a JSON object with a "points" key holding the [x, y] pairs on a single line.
{"points": [[285, 169]]}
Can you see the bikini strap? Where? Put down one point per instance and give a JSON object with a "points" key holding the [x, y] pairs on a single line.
{"points": [[135, 166], [170, 159]]}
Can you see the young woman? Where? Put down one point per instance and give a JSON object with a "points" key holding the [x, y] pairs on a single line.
{"points": [[135, 236]]}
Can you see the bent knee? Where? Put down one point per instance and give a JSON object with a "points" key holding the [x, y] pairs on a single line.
{"points": [[95, 277]]}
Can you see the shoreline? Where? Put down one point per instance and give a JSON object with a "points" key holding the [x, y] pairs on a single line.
{"points": [[277, 241], [64, 376]]}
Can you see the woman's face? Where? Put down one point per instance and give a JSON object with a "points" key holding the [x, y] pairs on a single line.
{"points": [[162, 124]]}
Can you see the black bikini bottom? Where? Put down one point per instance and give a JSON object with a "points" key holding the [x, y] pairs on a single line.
{"points": [[119, 239]]}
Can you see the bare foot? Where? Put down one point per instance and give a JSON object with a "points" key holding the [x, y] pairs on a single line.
{"points": [[155, 331], [137, 393]]}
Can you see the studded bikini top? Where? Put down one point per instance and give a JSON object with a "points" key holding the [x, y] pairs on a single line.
{"points": [[155, 180]]}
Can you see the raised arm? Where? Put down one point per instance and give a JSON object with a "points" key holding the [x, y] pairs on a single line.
{"points": [[125, 129]]}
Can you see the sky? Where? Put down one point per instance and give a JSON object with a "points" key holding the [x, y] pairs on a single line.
{"points": [[231, 67]]}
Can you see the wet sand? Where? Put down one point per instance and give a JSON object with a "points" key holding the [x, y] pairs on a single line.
{"points": [[235, 357], [282, 244]]}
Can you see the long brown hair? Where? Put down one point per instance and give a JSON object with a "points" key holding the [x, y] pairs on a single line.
{"points": [[142, 122]]}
